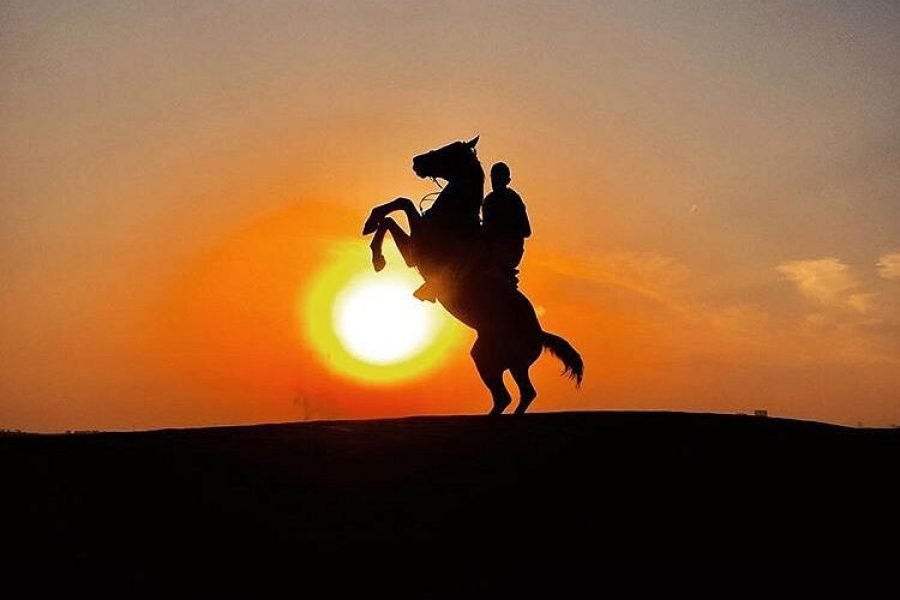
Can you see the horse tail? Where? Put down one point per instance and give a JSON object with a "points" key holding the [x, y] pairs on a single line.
{"points": [[563, 350]]}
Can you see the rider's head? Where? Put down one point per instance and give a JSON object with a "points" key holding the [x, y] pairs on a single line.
{"points": [[500, 176]]}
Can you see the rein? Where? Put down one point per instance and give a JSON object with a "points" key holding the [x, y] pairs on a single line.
{"points": [[426, 196]]}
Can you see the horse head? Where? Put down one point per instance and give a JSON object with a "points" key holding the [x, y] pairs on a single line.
{"points": [[449, 162]]}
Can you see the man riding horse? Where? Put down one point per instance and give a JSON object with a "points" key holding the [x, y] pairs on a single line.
{"points": [[444, 244]]}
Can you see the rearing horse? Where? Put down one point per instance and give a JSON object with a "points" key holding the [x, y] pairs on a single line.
{"points": [[444, 244]]}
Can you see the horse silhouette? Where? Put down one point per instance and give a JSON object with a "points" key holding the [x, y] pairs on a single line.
{"points": [[443, 243]]}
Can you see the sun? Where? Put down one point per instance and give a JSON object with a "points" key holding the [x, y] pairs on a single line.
{"points": [[367, 326], [378, 320]]}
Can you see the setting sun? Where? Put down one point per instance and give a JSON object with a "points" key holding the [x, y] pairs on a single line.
{"points": [[367, 326], [378, 320]]}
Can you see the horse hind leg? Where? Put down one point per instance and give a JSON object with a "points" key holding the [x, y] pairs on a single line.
{"points": [[492, 376], [527, 393], [499, 394]]}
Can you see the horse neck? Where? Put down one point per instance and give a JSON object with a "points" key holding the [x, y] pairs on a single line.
{"points": [[458, 188], [473, 180], [468, 186]]}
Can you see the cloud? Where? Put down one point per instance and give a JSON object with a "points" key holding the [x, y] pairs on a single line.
{"points": [[854, 321], [658, 312], [889, 266], [829, 282], [646, 274]]}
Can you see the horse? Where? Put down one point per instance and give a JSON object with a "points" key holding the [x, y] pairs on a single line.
{"points": [[443, 244]]}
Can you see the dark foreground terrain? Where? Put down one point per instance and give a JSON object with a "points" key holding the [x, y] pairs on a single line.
{"points": [[696, 488]]}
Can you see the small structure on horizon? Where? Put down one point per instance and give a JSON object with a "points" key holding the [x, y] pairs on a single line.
{"points": [[760, 412]]}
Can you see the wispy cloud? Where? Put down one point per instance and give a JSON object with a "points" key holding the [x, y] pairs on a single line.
{"points": [[889, 266], [647, 274], [829, 282]]}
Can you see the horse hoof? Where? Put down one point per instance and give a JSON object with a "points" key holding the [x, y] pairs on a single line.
{"points": [[524, 403], [498, 410], [378, 262]]}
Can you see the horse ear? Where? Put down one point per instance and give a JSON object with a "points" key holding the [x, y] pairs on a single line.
{"points": [[473, 142]]}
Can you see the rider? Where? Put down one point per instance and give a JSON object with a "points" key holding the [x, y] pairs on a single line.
{"points": [[505, 224]]}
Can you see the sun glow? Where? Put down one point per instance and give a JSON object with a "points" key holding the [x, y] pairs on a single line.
{"points": [[368, 326], [379, 321]]}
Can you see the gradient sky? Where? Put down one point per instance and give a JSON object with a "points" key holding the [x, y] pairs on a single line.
{"points": [[714, 189]]}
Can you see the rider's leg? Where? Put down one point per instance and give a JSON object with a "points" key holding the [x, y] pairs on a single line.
{"points": [[430, 289], [506, 254], [425, 293]]}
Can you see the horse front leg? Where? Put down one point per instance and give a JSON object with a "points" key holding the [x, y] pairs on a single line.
{"points": [[401, 238], [378, 261], [379, 223], [380, 212]]}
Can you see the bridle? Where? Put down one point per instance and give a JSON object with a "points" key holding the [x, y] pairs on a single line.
{"points": [[440, 187]]}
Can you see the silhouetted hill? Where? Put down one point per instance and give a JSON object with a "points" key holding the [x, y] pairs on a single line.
{"points": [[622, 486]]}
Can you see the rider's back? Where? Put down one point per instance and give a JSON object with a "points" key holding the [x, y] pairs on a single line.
{"points": [[505, 222]]}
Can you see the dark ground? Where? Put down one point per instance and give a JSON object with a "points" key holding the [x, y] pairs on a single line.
{"points": [[632, 487]]}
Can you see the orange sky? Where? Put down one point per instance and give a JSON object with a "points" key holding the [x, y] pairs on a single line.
{"points": [[713, 190]]}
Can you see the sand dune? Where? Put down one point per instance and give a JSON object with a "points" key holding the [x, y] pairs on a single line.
{"points": [[632, 486]]}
